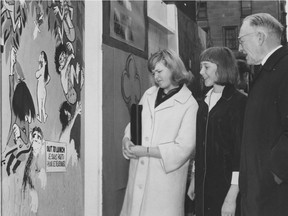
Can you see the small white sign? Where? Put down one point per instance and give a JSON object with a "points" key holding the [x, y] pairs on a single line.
{"points": [[56, 156]]}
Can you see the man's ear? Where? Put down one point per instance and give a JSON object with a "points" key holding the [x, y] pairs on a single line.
{"points": [[262, 36]]}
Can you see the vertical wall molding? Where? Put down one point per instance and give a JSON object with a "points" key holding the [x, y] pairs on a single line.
{"points": [[93, 108]]}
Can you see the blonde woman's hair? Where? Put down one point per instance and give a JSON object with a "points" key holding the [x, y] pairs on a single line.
{"points": [[173, 62]]}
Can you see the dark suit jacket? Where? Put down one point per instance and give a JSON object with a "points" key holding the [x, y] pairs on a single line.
{"points": [[265, 141]]}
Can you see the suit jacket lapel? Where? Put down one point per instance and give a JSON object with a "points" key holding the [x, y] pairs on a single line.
{"points": [[274, 58]]}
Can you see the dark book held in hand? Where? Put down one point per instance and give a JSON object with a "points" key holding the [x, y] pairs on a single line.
{"points": [[136, 123]]}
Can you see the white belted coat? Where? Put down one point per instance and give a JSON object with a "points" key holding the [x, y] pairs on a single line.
{"points": [[156, 187]]}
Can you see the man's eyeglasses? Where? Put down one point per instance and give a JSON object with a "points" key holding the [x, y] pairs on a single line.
{"points": [[240, 38]]}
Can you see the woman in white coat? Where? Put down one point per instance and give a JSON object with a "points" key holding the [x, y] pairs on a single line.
{"points": [[158, 168]]}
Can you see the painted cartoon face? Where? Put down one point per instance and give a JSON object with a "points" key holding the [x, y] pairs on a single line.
{"points": [[208, 73], [36, 141], [62, 59], [163, 76]]}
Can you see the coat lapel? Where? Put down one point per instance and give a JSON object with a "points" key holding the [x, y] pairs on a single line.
{"points": [[152, 94], [182, 96], [228, 91], [274, 58]]}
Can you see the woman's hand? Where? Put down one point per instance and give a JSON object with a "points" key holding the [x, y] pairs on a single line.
{"points": [[126, 148], [140, 151], [228, 208], [229, 205]]}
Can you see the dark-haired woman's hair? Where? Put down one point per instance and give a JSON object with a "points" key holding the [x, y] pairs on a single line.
{"points": [[46, 72], [173, 62], [63, 117], [59, 49], [227, 69], [22, 102]]}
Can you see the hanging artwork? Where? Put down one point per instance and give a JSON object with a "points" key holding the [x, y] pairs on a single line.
{"points": [[43, 74], [125, 26]]}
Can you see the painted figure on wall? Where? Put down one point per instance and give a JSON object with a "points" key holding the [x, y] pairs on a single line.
{"points": [[34, 171], [67, 118], [34, 32], [38, 22], [65, 12], [22, 114], [64, 54], [43, 78]]}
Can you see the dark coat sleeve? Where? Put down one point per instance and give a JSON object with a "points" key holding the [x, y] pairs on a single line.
{"points": [[237, 129], [279, 153]]}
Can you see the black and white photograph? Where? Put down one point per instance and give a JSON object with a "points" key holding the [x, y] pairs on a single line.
{"points": [[144, 108]]}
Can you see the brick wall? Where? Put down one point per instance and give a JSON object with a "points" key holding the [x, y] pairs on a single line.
{"points": [[228, 13]]}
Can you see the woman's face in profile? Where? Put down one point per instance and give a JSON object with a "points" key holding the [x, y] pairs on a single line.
{"points": [[208, 72], [163, 76]]}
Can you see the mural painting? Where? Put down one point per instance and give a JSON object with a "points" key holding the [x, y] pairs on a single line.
{"points": [[43, 74]]}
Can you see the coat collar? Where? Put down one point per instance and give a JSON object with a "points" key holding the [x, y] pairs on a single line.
{"points": [[274, 58], [182, 96], [227, 93]]}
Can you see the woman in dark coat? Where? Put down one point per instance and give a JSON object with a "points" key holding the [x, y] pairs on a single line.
{"points": [[219, 129]]}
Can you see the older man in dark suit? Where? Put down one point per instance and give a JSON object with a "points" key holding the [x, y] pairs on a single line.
{"points": [[264, 157]]}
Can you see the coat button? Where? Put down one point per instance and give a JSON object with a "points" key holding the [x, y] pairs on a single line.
{"points": [[146, 139], [140, 186], [142, 162]]}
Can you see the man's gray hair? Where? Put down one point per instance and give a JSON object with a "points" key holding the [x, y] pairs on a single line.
{"points": [[267, 21]]}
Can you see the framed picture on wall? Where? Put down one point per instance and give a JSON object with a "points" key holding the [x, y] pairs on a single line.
{"points": [[125, 26]]}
